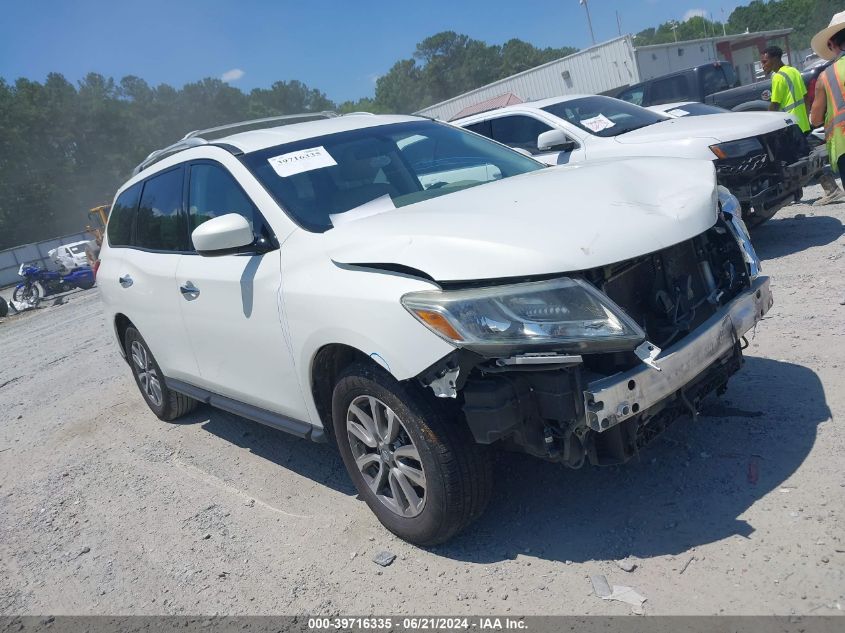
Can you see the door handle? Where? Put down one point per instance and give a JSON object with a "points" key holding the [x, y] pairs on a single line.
{"points": [[125, 281], [189, 291]]}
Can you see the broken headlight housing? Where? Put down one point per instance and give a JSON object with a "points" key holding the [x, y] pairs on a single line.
{"points": [[737, 149], [731, 209], [559, 314]]}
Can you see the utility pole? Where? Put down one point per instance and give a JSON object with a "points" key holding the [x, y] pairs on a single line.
{"points": [[589, 21], [674, 28], [724, 31], [618, 24]]}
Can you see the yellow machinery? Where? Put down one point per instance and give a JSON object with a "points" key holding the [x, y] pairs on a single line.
{"points": [[97, 217]]}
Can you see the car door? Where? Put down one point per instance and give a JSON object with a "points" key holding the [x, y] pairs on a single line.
{"points": [[230, 304], [146, 274], [520, 131]]}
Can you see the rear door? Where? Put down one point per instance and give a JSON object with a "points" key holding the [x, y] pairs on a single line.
{"points": [[145, 283], [230, 304]]}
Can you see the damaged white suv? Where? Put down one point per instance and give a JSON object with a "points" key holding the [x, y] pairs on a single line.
{"points": [[416, 293]]}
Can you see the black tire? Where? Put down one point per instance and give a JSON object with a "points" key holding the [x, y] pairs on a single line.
{"points": [[30, 295], [167, 404], [4, 308], [458, 472]]}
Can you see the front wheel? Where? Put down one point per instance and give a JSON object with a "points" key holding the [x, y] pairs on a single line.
{"points": [[416, 467], [163, 401], [29, 295]]}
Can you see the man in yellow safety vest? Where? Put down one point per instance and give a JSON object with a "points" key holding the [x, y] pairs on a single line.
{"points": [[829, 102], [789, 94]]}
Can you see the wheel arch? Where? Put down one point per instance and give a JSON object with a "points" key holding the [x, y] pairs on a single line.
{"points": [[121, 323], [328, 363]]}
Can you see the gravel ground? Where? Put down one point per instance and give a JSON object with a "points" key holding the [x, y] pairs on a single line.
{"points": [[106, 510]]}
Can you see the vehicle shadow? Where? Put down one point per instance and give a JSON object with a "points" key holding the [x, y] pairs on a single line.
{"points": [[784, 236], [319, 462], [688, 488]]}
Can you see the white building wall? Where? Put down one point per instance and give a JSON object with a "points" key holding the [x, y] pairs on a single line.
{"points": [[655, 61], [594, 70]]}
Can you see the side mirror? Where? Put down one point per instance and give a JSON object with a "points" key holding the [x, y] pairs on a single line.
{"points": [[555, 141], [223, 235]]}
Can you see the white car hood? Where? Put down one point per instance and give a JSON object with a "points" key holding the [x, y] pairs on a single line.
{"points": [[729, 126], [555, 220]]}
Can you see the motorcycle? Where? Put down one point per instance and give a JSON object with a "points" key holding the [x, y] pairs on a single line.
{"points": [[39, 283]]}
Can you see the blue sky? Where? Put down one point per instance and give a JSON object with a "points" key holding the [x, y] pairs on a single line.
{"points": [[338, 47]]}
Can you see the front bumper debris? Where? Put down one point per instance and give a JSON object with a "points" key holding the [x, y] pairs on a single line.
{"points": [[611, 400]]}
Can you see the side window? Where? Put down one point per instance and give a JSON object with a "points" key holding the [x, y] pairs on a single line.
{"points": [[713, 79], [669, 90], [519, 131], [121, 216], [482, 127], [633, 95], [213, 192], [161, 222]]}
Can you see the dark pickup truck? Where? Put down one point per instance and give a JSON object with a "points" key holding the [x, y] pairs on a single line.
{"points": [[715, 83]]}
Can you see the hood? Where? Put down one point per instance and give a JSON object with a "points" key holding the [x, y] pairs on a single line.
{"points": [[718, 128], [554, 220]]}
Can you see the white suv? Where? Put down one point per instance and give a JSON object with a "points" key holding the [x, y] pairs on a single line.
{"points": [[762, 157], [415, 293]]}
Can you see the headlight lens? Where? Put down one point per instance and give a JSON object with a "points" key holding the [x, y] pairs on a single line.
{"points": [[566, 314], [732, 209], [737, 149]]}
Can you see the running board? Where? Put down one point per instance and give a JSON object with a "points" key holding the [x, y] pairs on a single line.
{"points": [[268, 418]]}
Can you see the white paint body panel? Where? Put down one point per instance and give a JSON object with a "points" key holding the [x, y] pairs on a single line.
{"points": [[553, 220], [686, 137]]}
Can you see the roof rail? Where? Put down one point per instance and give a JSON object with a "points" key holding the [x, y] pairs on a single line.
{"points": [[204, 137]]}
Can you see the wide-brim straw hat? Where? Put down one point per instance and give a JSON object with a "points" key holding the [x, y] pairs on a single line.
{"points": [[819, 41]]}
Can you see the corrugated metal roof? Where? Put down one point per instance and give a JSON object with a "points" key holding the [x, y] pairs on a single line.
{"points": [[495, 103], [594, 70]]}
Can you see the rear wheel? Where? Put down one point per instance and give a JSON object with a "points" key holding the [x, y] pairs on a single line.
{"points": [[417, 469], [167, 404]]}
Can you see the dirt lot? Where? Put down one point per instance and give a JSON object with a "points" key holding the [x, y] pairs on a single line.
{"points": [[106, 510]]}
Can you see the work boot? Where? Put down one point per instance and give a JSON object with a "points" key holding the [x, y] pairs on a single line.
{"points": [[830, 198], [832, 193]]}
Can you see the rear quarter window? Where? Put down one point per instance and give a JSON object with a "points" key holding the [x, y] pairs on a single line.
{"points": [[122, 215]]}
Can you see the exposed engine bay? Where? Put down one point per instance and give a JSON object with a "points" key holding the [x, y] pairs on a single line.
{"points": [[694, 300]]}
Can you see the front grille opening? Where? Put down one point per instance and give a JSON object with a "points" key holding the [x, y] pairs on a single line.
{"points": [[671, 292]]}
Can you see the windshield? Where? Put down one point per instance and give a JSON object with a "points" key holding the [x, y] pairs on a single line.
{"points": [[379, 168], [604, 116], [695, 109]]}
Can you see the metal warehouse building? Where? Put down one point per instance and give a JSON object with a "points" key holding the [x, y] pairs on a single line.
{"points": [[610, 66]]}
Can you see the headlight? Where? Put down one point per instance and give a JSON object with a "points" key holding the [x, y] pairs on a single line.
{"points": [[730, 206], [565, 314], [737, 149]]}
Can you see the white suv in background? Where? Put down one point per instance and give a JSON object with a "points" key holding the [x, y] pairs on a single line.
{"points": [[416, 293], [761, 157]]}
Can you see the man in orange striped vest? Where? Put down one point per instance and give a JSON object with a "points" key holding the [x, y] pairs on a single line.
{"points": [[829, 102]]}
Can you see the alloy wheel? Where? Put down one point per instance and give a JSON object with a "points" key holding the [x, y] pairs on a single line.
{"points": [[146, 372], [386, 456]]}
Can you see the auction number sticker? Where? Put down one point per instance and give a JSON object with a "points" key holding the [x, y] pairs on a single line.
{"points": [[597, 123], [301, 161]]}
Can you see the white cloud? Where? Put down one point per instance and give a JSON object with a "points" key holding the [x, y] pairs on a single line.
{"points": [[232, 75], [694, 13]]}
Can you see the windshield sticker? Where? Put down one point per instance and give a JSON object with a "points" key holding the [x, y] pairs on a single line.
{"points": [[597, 123], [677, 112], [301, 161], [373, 207]]}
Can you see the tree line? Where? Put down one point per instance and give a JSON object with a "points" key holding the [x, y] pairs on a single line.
{"points": [[65, 148]]}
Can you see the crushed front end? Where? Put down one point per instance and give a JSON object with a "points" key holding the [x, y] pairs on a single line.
{"points": [[766, 172], [602, 400]]}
